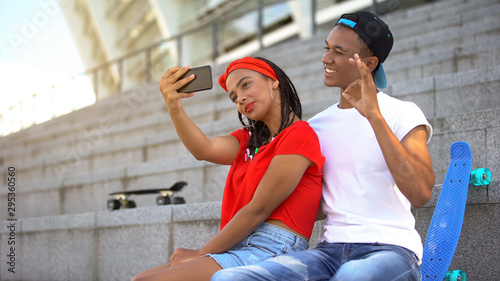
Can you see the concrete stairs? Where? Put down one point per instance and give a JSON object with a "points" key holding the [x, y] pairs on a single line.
{"points": [[445, 59]]}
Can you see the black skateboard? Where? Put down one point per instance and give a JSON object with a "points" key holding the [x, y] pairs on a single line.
{"points": [[121, 198]]}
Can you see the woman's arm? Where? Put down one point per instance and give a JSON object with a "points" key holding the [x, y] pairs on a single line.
{"points": [[279, 181], [219, 150]]}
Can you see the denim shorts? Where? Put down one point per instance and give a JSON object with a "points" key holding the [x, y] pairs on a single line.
{"points": [[265, 242]]}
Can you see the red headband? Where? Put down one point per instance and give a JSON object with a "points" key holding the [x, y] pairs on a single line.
{"points": [[247, 63]]}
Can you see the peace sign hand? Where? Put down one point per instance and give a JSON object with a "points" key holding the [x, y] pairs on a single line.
{"points": [[367, 105]]}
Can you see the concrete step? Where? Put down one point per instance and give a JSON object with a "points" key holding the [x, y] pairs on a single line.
{"points": [[450, 36], [83, 191], [438, 15], [132, 118], [404, 24], [403, 20], [453, 93], [480, 129], [211, 106], [427, 64], [466, 57], [437, 96]]}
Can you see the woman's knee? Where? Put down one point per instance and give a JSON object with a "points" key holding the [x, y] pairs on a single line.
{"points": [[225, 274]]}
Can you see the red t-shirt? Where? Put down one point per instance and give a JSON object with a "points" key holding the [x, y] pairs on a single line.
{"points": [[299, 210]]}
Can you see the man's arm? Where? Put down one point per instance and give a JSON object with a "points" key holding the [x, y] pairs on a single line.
{"points": [[408, 161]]}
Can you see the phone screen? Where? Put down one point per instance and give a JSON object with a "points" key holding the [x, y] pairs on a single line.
{"points": [[202, 81]]}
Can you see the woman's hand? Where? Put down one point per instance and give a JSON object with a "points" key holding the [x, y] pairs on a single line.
{"points": [[182, 255], [219, 150], [169, 86]]}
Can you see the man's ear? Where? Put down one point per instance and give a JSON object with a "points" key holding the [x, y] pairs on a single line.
{"points": [[372, 62]]}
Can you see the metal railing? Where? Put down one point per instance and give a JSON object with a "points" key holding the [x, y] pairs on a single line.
{"points": [[144, 55], [153, 67]]}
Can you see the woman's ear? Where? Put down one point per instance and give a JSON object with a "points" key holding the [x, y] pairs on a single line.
{"points": [[276, 83]]}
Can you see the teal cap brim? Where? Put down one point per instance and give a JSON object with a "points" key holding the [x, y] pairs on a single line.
{"points": [[380, 80]]}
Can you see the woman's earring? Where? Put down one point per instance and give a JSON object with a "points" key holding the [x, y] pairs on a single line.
{"points": [[271, 93], [251, 123]]}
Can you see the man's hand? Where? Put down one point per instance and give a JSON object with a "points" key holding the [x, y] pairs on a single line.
{"points": [[367, 105]]}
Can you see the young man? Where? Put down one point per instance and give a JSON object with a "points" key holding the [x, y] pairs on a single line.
{"points": [[377, 166]]}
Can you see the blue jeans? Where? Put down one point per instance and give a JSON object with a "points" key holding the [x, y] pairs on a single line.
{"points": [[332, 261]]}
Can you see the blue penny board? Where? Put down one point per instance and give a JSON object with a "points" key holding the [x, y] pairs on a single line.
{"points": [[446, 223]]}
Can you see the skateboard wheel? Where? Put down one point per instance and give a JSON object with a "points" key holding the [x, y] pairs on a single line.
{"points": [[131, 204], [113, 204], [455, 275], [163, 200], [179, 200], [481, 176]]}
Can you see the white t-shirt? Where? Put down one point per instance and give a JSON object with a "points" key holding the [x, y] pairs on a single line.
{"points": [[360, 198]]}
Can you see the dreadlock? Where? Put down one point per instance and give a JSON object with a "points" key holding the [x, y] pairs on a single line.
{"points": [[290, 103]]}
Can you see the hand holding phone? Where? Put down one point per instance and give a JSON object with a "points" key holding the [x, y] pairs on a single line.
{"points": [[201, 82]]}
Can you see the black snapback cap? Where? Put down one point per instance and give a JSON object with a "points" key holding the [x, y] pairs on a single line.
{"points": [[376, 35]]}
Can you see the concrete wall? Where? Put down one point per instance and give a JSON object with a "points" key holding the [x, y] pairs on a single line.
{"points": [[105, 245], [117, 245]]}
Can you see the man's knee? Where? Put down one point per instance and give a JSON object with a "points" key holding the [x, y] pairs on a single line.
{"points": [[351, 271], [383, 266]]}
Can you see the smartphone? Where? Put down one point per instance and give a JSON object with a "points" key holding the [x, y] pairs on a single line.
{"points": [[201, 82]]}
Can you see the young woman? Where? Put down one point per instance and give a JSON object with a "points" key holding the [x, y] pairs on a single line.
{"points": [[273, 188]]}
